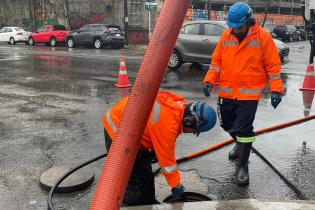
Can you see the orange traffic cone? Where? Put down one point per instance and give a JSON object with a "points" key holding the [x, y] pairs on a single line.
{"points": [[308, 97], [309, 79], [123, 76]]}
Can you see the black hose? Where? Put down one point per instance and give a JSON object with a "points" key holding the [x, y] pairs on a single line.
{"points": [[52, 190], [288, 182]]}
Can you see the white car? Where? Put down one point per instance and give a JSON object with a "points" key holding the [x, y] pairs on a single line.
{"points": [[11, 35]]}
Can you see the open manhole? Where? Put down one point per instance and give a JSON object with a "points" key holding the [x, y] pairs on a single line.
{"points": [[188, 197]]}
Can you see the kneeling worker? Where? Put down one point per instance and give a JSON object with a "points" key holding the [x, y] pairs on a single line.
{"points": [[170, 116]]}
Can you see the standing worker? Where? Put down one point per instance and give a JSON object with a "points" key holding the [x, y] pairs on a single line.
{"points": [[244, 60], [170, 116]]}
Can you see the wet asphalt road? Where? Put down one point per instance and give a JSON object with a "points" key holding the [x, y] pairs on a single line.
{"points": [[52, 102]]}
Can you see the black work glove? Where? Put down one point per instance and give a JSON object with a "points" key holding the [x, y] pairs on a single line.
{"points": [[178, 190], [207, 87], [275, 99]]}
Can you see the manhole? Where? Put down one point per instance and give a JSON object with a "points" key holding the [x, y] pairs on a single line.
{"points": [[79, 180], [188, 197]]}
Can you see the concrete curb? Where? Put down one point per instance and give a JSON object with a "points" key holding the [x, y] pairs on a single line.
{"points": [[244, 204]]}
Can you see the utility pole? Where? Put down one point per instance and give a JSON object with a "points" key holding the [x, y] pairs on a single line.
{"points": [[126, 20], [209, 9]]}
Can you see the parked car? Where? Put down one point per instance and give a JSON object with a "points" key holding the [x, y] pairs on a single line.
{"points": [[305, 35], [12, 35], [198, 39], [287, 33], [50, 34], [97, 35], [272, 34]]}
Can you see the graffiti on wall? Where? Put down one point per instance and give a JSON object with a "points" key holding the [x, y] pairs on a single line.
{"points": [[200, 15], [78, 21], [97, 18], [46, 21], [138, 36]]}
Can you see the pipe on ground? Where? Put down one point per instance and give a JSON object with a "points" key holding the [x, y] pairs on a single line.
{"points": [[228, 141], [114, 177]]}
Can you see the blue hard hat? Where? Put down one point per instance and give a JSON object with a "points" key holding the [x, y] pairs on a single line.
{"points": [[238, 14], [206, 117]]}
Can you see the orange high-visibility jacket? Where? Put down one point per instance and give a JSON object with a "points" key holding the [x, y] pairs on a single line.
{"points": [[244, 69], [163, 128]]}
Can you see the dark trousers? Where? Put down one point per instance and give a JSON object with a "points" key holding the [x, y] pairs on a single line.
{"points": [[140, 189], [237, 117]]}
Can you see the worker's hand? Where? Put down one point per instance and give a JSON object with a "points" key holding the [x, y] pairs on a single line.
{"points": [[207, 89], [178, 190], [275, 99]]}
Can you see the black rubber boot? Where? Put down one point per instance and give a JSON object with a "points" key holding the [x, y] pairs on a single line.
{"points": [[243, 176], [234, 153]]}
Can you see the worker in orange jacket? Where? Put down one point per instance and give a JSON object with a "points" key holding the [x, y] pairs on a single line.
{"points": [[170, 116], [244, 60]]}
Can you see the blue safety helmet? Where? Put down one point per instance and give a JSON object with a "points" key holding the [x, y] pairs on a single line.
{"points": [[200, 116], [239, 14]]}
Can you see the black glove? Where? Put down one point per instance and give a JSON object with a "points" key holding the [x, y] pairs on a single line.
{"points": [[275, 99], [178, 190], [207, 87]]}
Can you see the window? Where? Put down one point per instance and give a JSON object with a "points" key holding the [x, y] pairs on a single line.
{"points": [[84, 28], [19, 29], [8, 30], [2, 30], [99, 28], [47, 29], [213, 30], [114, 30], [59, 28], [191, 29], [91, 28]]}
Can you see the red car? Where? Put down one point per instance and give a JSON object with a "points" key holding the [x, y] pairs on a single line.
{"points": [[50, 34]]}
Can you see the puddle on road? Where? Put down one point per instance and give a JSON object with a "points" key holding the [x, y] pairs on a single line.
{"points": [[12, 57]]}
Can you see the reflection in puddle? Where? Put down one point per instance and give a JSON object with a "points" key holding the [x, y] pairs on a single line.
{"points": [[308, 97]]}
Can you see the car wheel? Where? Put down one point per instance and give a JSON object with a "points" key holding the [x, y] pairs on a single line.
{"points": [[175, 60], [70, 43], [291, 38], [31, 41], [12, 41], [26, 42], [53, 42], [98, 43]]}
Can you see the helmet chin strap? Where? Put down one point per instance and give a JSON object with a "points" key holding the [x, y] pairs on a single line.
{"points": [[193, 112]]}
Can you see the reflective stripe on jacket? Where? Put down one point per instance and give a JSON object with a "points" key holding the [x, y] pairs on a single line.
{"points": [[163, 128], [244, 69]]}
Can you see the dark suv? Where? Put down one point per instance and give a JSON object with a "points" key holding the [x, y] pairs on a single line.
{"points": [[304, 34], [287, 33], [97, 35]]}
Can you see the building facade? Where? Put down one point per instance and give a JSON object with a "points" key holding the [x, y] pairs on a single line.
{"points": [[33, 14]]}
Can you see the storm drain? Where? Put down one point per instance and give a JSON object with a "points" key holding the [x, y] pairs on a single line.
{"points": [[187, 197]]}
